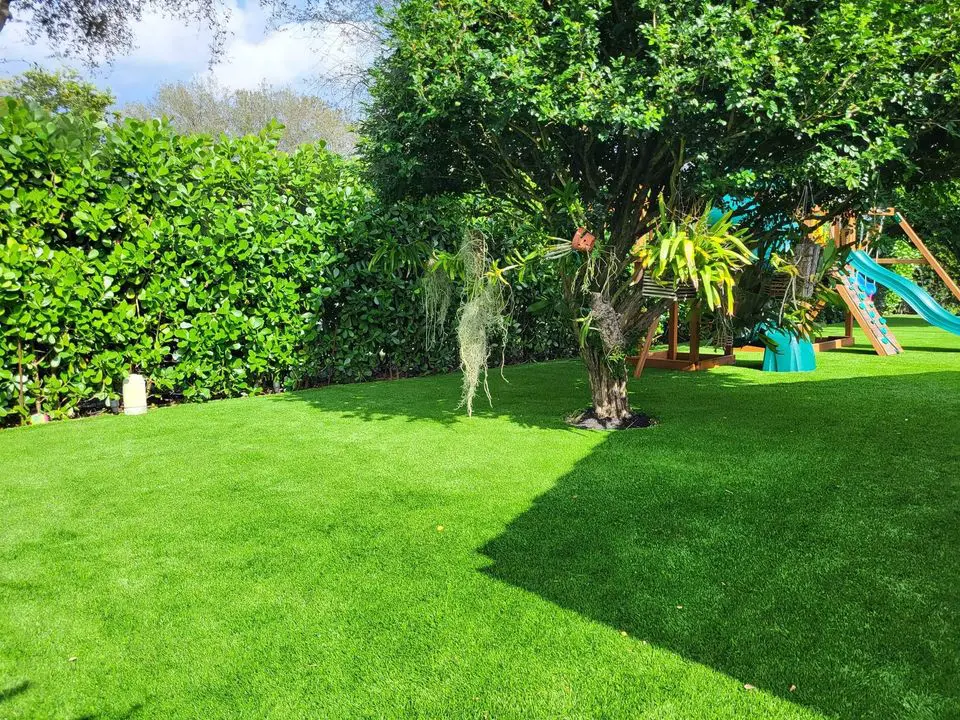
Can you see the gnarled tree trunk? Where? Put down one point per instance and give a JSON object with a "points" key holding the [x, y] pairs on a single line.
{"points": [[608, 378], [608, 386]]}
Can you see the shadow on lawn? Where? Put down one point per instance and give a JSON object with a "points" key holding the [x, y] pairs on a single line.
{"points": [[929, 349], [531, 397], [805, 527], [802, 549], [11, 691], [131, 712]]}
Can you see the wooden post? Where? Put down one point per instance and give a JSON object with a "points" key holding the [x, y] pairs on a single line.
{"points": [[851, 231], [929, 257], [848, 324], [695, 332], [645, 350], [672, 333]]}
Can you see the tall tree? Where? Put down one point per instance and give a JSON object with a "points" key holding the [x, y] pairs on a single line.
{"points": [[96, 30], [203, 106], [588, 112], [59, 91]]}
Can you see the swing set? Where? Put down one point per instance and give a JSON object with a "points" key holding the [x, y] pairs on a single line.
{"points": [[854, 286]]}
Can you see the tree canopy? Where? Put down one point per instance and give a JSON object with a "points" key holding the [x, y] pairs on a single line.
{"points": [[202, 106], [59, 91], [587, 111], [766, 98], [97, 30]]}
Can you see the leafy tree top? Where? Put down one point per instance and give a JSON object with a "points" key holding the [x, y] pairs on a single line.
{"points": [[203, 106], [767, 99], [98, 30], [60, 91]]}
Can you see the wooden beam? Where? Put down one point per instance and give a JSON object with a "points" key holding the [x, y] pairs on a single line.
{"points": [[672, 331], [889, 212], [848, 325], [832, 343], [685, 363], [695, 332], [849, 232], [902, 261], [645, 350], [929, 257]]}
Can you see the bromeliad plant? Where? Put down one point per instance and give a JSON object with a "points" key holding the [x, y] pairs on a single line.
{"points": [[693, 249]]}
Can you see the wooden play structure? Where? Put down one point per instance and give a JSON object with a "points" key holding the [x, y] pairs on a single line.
{"points": [[850, 286], [672, 358], [862, 309]]}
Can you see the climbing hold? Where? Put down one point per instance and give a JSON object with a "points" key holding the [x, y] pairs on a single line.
{"points": [[885, 340]]}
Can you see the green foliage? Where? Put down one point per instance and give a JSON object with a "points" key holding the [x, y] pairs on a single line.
{"points": [[58, 91], [534, 99], [584, 112], [215, 267], [693, 249]]}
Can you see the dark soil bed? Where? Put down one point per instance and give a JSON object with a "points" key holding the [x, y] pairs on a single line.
{"points": [[588, 420]]}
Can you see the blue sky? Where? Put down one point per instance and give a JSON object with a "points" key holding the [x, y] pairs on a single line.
{"points": [[169, 50]]}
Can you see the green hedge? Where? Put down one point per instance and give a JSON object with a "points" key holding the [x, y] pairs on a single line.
{"points": [[216, 267]]}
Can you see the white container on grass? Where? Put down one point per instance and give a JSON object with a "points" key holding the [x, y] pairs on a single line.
{"points": [[134, 395]]}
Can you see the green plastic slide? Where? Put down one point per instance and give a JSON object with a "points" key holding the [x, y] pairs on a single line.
{"points": [[918, 298]]}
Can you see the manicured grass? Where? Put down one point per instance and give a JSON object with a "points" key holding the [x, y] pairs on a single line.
{"points": [[283, 556]]}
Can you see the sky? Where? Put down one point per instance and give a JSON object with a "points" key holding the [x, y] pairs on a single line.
{"points": [[168, 50]]}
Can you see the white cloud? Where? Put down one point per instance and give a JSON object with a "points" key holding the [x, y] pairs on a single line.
{"points": [[164, 41], [289, 54], [168, 50]]}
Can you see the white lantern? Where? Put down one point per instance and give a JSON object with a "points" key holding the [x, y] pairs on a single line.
{"points": [[134, 395]]}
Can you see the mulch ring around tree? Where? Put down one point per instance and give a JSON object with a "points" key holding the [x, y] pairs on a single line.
{"points": [[588, 420]]}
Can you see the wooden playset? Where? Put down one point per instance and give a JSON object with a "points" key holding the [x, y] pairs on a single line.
{"points": [[854, 286]]}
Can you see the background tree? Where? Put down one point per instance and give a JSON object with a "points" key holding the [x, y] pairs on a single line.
{"points": [[97, 30], [933, 209], [59, 91], [202, 106], [585, 112]]}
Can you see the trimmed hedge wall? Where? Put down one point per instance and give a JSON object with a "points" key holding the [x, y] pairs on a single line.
{"points": [[215, 267]]}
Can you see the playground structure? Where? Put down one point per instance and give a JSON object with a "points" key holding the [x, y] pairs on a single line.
{"points": [[856, 284]]}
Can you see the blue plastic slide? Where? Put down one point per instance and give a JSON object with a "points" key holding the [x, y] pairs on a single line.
{"points": [[918, 298]]}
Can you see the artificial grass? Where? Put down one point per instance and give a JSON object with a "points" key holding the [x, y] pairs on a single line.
{"points": [[367, 551]]}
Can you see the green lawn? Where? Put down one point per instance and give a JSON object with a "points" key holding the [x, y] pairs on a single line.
{"points": [[283, 556]]}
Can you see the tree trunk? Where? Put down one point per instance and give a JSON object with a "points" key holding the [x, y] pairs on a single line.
{"points": [[608, 386]]}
